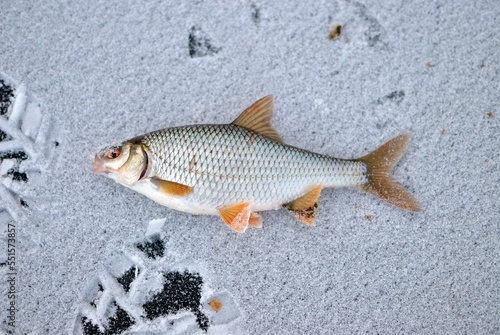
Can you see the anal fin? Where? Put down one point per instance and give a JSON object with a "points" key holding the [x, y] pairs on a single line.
{"points": [[304, 208]]}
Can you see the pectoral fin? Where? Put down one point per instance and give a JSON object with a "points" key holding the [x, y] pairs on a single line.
{"points": [[304, 207], [171, 188], [236, 216]]}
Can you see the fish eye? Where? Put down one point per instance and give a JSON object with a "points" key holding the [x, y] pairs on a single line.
{"points": [[113, 153]]}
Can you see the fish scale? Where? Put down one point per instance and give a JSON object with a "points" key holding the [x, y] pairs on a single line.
{"points": [[233, 164]]}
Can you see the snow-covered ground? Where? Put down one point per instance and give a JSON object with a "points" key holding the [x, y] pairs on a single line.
{"points": [[82, 254]]}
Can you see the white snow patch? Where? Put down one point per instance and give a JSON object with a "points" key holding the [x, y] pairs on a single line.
{"points": [[6, 165], [229, 310], [155, 227]]}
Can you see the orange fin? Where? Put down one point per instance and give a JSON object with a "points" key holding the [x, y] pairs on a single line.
{"points": [[257, 118], [379, 165], [255, 220], [304, 208], [171, 188], [236, 216]]}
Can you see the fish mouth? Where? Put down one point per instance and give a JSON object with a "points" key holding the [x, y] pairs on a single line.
{"points": [[98, 166]]}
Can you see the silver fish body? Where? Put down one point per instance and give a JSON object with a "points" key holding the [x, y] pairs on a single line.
{"points": [[226, 164], [236, 170]]}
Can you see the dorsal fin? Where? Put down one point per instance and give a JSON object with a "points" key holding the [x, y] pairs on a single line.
{"points": [[257, 118]]}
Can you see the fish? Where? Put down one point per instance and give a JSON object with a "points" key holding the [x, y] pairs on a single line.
{"points": [[239, 169]]}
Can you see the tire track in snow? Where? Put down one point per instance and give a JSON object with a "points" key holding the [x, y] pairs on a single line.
{"points": [[139, 293], [25, 153]]}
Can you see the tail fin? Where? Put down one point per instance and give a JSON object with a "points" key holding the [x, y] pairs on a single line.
{"points": [[379, 164]]}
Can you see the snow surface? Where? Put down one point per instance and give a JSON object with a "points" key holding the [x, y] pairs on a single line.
{"points": [[93, 73]]}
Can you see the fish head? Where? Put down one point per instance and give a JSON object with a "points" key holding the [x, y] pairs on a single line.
{"points": [[126, 164]]}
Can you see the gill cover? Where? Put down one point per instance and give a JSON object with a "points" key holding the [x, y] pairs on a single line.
{"points": [[134, 167]]}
